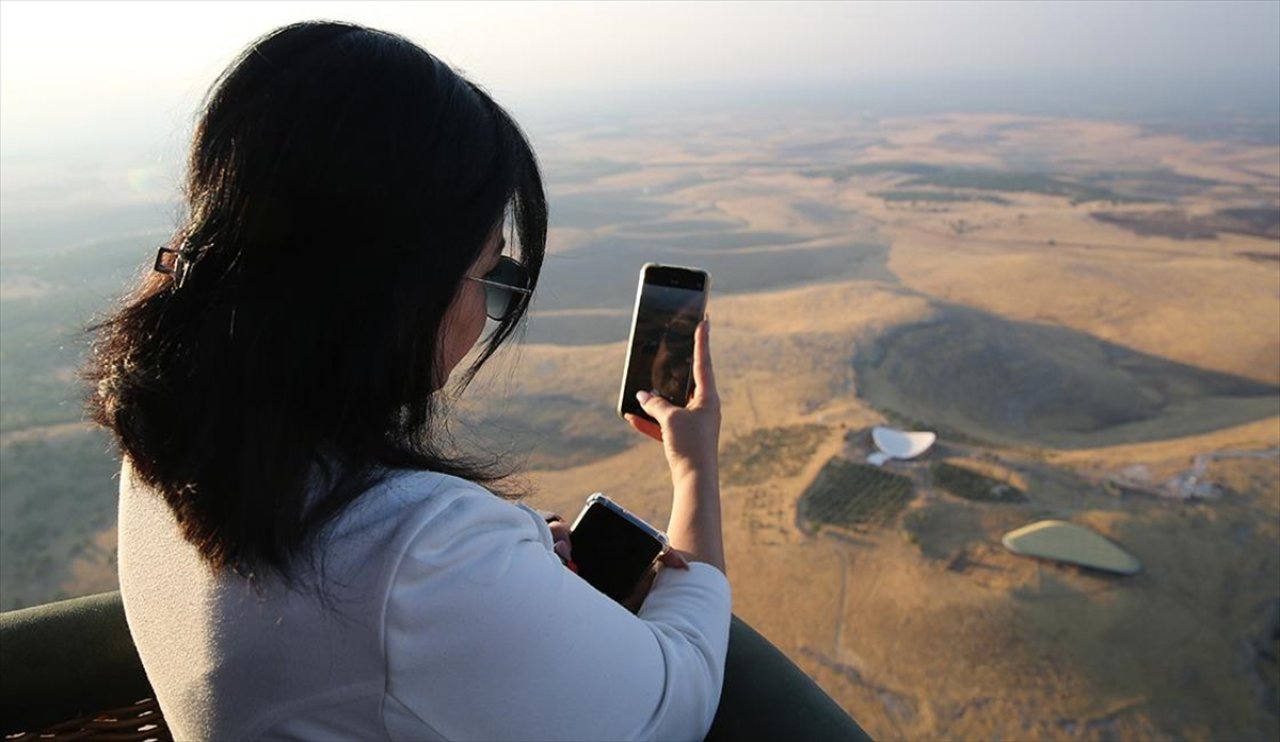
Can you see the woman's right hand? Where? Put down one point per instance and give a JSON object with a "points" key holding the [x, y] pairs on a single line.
{"points": [[690, 435]]}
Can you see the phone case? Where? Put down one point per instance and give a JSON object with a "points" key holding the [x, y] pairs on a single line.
{"points": [[613, 548], [635, 520]]}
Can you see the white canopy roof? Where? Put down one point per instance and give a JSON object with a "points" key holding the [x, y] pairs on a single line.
{"points": [[901, 444]]}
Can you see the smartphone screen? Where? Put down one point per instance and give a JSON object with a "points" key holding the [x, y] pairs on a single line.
{"points": [[669, 306], [611, 552]]}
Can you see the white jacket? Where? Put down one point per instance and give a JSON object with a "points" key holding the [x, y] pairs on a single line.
{"points": [[447, 616]]}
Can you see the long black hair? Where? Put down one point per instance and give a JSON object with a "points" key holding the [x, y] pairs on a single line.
{"points": [[341, 183]]}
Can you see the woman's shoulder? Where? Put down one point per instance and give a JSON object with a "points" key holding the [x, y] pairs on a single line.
{"points": [[409, 514], [424, 506], [447, 523]]}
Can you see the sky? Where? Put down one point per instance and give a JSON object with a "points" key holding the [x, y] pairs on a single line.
{"points": [[112, 76], [58, 59]]}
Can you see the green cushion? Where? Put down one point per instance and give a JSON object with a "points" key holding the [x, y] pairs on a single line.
{"points": [[67, 659], [766, 697]]}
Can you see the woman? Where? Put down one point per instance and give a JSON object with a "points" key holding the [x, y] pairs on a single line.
{"points": [[299, 556]]}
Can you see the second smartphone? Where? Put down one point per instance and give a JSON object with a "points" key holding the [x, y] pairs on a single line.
{"points": [[612, 548], [670, 302]]}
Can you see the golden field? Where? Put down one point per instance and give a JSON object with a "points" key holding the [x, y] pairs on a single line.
{"points": [[1050, 348], [1084, 310]]}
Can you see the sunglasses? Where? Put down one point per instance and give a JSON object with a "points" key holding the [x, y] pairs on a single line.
{"points": [[505, 288]]}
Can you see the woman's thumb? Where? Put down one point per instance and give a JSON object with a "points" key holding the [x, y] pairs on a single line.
{"points": [[674, 558], [657, 407]]}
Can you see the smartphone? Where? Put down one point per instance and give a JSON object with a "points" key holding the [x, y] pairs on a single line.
{"points": [[670, 302], [612, 548]]}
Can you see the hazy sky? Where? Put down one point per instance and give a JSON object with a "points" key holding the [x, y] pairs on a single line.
{"points": [[61, 62], [104, 76]]}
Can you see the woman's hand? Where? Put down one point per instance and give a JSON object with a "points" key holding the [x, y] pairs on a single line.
{"points": [[670, 559], [690, 435], [560, 539], [691, 438]]}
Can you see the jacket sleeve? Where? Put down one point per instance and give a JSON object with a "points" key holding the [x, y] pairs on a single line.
{"points": [[489, 636]]}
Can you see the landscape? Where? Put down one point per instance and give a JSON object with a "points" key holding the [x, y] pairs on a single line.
{"points": [[1086, 310]]}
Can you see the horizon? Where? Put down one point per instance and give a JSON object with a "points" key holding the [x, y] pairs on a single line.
{"points": [[151, 64]]}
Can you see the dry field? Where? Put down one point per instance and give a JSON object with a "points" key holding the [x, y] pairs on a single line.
{"points": [[1051, 348], [948, 272]]}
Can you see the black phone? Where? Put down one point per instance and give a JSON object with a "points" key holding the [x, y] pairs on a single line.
{"points": [[612, 548], [670, 302]]}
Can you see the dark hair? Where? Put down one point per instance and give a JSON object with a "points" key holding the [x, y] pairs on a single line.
{"points": [[342, 181]]}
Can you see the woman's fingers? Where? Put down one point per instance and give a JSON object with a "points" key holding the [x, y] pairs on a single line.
{"points": [[559, 530], [704, 378], [648, 427], [560, 538], [636, 599], [674, 558]]}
